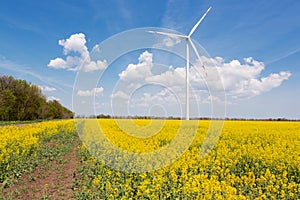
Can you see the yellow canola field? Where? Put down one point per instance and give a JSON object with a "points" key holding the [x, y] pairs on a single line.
{"points": [[251, 160], [18, 143]]}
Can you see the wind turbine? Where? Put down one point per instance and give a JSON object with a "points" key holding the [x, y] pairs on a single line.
{"points": [[188, 41]]}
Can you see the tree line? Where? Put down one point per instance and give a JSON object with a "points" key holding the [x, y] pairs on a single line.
{"points": [[20, 100]]}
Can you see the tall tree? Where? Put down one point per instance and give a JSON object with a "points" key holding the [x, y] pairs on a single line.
{"points": [[20, 100], [7, 101]]}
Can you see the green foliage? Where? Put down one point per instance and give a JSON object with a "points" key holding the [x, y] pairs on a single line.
{"points": [[7, 100], [21, 101]]}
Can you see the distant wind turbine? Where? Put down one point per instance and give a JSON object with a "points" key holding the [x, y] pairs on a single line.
{"points": [[188, 41]]}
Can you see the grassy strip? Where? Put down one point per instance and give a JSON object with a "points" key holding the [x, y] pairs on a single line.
{"points": [[7, 123]]}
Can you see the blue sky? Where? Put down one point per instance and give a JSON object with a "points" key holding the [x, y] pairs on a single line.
{"points": [[254, 44]]}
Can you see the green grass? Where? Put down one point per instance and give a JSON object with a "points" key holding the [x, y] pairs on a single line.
{"points": [[6, 123]]}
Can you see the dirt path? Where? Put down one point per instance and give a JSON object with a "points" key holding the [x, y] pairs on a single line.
{"points": [[52, 180]]}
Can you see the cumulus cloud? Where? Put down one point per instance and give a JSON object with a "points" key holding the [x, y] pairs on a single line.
{"points": [[168, 41], [76, 44], [120, 94], [241, 79], [47, 89], [244, 79], [58, 63], [172, 77], [93, 66], [161, 97], [139, 71], [92, 92]]}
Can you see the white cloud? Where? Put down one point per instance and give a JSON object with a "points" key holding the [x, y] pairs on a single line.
{"points": [[76, 43], [58, 63], [96, 48], [138, 72], [120, 94], [161, 97], [93, 66], [252, 87], [47, 89], [245, 80], [92, 92], [52, 98], [240, 79], [171, 41], [172, 77]]}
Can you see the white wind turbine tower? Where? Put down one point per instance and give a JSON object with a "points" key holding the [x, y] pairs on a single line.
{"points": [[188, 41]]}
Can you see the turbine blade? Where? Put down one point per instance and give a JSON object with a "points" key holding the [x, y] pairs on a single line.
{"points": [[168, 34], [197, 53], [197, 24], [194, 48]]}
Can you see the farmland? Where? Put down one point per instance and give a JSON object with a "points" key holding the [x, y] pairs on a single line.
{"points": [[251, 160]]}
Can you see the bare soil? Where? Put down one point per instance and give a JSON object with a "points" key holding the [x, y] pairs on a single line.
{"points": [[53, 180]]}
